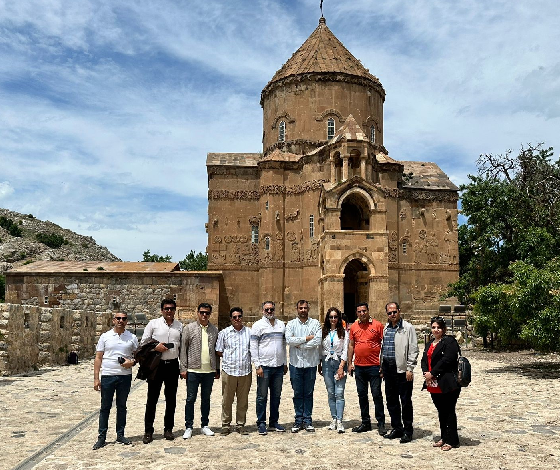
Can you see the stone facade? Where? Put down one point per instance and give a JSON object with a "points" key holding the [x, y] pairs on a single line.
{"points": [[324, 214]]}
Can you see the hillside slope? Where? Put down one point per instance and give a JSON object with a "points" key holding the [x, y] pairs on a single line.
{"points": [[18, 250]]}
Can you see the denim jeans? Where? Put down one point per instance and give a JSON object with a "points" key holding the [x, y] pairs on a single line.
{"points": [[111, 384], [303, 383], [398, 393], [335, 388], [369, 375], [272, 379], [168, 374], [206, 381]]}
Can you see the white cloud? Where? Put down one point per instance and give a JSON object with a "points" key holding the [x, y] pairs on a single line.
{"points": [[5, 189]]}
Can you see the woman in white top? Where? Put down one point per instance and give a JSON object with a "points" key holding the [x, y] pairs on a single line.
{"points": [[333, 365]]}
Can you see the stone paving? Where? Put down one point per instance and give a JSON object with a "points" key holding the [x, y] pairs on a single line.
{"points": [[509, 418]]}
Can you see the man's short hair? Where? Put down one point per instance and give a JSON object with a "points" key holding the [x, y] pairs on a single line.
{"points": [[204, 305], [168, 302], [301, 302], [268, 302], [235, 309], [362, 304], [389, 303]]}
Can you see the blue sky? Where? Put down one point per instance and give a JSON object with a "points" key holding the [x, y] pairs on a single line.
{"points": [[108, 108]]}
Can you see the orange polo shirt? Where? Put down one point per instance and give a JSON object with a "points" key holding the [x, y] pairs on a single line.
{"points": [[367, 339]]}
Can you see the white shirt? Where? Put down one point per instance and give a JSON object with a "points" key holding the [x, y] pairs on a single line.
{"points": [[234, 345], [303, 353], [340, 346], [268, 345], [159, 330], [114, 346]]}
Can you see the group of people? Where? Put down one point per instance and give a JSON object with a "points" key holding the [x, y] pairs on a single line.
{"points": [[199, 353]]}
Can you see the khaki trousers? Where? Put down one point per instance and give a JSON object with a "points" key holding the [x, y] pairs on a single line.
{"points": [[235, 386]]}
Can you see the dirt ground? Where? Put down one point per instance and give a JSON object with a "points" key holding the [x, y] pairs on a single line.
{"points": [[509, 418]]}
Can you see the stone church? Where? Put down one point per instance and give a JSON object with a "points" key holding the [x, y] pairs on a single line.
{"points": [[324, 213]]}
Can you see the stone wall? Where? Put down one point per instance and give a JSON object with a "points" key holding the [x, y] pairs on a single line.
{"points": [[32, 336]]}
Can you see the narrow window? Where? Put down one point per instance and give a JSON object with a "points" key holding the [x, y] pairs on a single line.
{"points": [[311, 226], [282, 131], [404, 247], [266, 205], [87, 322], [61, 321], [26, 319], [254, 234], [372, 134], [175, 297], [267, 243], [330, 128], [46, 299]]}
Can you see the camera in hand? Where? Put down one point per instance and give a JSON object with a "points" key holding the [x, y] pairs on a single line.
{"points": [[169, 345], [121, 360]]}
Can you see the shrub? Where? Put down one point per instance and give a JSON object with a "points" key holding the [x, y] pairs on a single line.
{"points": [[52, 240], [10, 226]]}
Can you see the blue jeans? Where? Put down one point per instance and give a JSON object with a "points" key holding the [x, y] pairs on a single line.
{"points": [[111, 384], [303, 383], [369, 375], [335, 388], [206, 381], [272, 379]]}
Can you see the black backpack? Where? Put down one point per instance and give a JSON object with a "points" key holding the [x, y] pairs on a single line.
{"points": [[72, 357], [463, 371]]}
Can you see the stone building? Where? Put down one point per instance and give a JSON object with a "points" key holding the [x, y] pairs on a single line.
{"points": [[323, 213]]}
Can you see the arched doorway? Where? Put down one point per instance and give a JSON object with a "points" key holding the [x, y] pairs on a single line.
{"points": [[356, 277], [354, 213]]}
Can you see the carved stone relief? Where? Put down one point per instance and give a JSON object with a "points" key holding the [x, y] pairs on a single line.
{"points": [[402, 214], [292, 216], [291, 236], [313, 185]]}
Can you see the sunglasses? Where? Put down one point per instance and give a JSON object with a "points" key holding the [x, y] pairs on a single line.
{"points": [[334, 318], [392, 312], [204, 313], [438, 319], [169, 309], [269, 309], [121, 318], [237, 317]]}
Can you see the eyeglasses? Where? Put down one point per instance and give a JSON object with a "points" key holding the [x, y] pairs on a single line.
{"points": [[269, 309], [121, 318], [169, 309], [393, 312], [237, 317], [205, 313]]}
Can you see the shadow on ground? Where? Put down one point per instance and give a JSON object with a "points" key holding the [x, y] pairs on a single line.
{"points": [[533, 370]]}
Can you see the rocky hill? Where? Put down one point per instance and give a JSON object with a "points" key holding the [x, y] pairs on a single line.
{"points": [[24, 239]]}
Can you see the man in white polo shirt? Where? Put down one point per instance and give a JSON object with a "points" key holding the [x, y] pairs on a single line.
{"points": [[114, 359], [233, 347]]}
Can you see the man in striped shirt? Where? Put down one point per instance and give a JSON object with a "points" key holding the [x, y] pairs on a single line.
{"points": [[233, 347], [268, 353]]}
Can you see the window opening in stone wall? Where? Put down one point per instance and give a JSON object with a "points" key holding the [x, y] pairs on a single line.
{"points": [[61, 321], [311, 226], [46, 299], [404, 248], [254, 234], [267, 243], [330, 128], [26, 319], [354, 213], [372, 134], [282, 131], [266, 205], [87, 322], [175, 297]]}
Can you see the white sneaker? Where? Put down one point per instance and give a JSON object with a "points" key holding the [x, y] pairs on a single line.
{"points": [[207, 431], [339, 427], [188, 433], [332, 426]]}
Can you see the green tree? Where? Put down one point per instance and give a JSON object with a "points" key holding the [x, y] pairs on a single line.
{"points": [[153, 258], [194, 262], [52, 240]]}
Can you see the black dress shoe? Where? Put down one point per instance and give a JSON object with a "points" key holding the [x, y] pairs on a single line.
{"points": [[99, 444], [124, 440], [364, 427], [406, 438], [148, 437], [394, 434], [381, 430], [168, 434]]}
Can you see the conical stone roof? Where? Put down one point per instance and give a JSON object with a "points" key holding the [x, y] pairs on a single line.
{"points": [[321, 53]]}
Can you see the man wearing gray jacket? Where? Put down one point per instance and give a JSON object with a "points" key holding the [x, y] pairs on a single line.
{"points": [[199, 366], [399, 356]]}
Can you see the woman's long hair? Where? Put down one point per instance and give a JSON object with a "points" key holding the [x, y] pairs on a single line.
{"points": [[327, 324]]}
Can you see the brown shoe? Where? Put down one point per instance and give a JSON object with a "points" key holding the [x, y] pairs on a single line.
{"points": [[225, 430], [241, 429], [148, 437], [168, 434]]}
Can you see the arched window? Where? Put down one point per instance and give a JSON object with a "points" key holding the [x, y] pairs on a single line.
{"points": [[330, 128], [372, 134], [404, 248], [282, 131], [311, 226], [254, 234], [267, 243]]}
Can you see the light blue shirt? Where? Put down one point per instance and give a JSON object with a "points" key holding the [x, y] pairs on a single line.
{"points": [[304, 353]]}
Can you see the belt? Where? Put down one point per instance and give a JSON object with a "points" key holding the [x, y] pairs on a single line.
{"points": [[168, 361]]}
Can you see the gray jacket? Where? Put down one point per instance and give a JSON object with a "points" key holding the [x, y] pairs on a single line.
{"points": [[406, 348], [191, 346]]}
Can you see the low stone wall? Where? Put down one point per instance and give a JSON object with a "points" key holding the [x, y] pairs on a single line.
{"points": [[32, 336]]}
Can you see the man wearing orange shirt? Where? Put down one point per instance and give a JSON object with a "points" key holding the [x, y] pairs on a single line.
{"points": [[364, 347]]}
